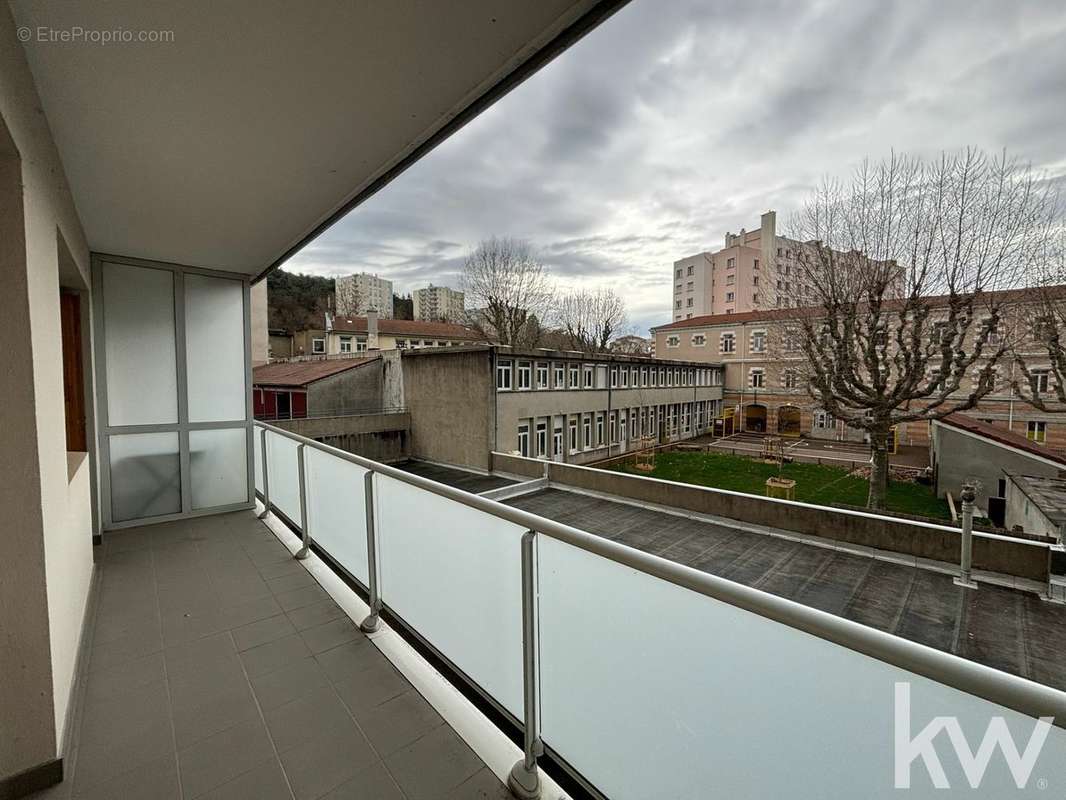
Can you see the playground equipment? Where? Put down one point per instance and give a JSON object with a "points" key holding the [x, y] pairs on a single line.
{"points": [[772, 450], [644, 460]]}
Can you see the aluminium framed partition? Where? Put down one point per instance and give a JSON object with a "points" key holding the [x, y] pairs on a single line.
{"points": [[173, 376]]}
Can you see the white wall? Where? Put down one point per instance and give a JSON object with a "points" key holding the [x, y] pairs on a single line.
{"points": [[63, 505]]}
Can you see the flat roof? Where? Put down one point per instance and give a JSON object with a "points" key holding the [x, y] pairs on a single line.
{"points": [[1046, 493], [1008, 629], [467, 480], [303, 373], [545, 354]]}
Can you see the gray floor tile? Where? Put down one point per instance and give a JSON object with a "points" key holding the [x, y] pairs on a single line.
{"points": [[195, 656], [331, 634], [483, 786], [288, 683], [372, 686], [265, 781], [280, 568], [433, 765], [124, 715], [398, 722], [248, 611], [315, 614], [317, 714], [348, 660], [372, 783], [294, 580], [274, 655], [219, 759], [319, 766], [263, 631], [125, 677], [304, 596], [214, 713], [102, 760], [125, 648], [156, 780]]}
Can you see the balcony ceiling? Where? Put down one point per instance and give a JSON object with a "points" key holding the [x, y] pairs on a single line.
{"points": [[235, 143]]}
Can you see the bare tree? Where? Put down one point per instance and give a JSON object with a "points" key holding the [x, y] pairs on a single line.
{"points": [[591, 320], [1039, 368], [907, 262], [509, 291]]}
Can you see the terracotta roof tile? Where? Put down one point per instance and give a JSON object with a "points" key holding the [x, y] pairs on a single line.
{"points": [[302, 373]]}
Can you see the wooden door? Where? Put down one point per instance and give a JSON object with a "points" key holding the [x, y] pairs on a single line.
{"points": [[73, 372]]}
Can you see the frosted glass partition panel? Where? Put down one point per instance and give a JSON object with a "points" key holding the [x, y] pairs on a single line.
{"points": [[455, 575], [652, 690], [337, 510], [138, 324], [283, 462], [214, 348], [145, 475], [218, 467], [257, 450]]}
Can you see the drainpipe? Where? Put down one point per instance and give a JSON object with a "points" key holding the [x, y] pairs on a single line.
{"points": [[607, 420], [1010, 403]]}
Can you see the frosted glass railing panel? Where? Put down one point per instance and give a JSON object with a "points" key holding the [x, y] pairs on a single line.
{"points": [[218, 467], [336, 508], [284, 465], [257, 451], [455, 575], [652, 690]]}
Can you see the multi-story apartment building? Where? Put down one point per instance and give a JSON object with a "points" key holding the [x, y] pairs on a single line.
{"points": [[342, 335], [356, 294], [754, 270], [765, 389], [439, 304], [557, 405]]}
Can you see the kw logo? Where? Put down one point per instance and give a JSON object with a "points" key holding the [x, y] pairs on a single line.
{"points": [[974, 764]]}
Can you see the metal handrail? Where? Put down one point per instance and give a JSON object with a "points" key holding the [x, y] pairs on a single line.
{"points": [[1014, 692]]}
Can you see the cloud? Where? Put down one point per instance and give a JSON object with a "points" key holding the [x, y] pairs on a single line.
{"points": [[678, 120]]}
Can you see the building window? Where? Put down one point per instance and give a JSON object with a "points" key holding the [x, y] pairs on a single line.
{"points": [[573, 434], [730, 297], [716, 377], [690, 286], [542, 438], [728, 343], [756, 378], [790, 379], [758, 342], [677, 304], [586, 430], [691, 270], [730, 280], [401, 344], [1039, 380], [525, 375], [730, 263], [318, 345], [601, 376], [560, 376], [542, 376], [1036, 431], [624, 377], [590, 381], [599, 429], [679, 273], [503, 375], [346, 344], [791, 340], [689, 303], [575, 376], [673, 341], [643, 376], [360, 345], [557, 438], [756, 267], [823, 419], [523, 439]]}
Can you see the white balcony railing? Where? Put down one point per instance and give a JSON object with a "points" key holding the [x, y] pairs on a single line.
{"points": [[640, 676]]}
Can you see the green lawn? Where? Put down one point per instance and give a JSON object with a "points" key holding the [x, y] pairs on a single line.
{"points": [[815, 483]]}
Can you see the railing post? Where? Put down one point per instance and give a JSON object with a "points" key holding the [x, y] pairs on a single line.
{"points": [[373, 619], [524, 780], [305, 526], [965, 580], [266, 473]]}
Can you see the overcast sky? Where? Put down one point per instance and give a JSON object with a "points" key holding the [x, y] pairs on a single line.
{"points": [[678, 120]]}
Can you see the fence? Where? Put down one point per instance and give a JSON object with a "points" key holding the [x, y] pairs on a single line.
{"points": [[637, 675]]}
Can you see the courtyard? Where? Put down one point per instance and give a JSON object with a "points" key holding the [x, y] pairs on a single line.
{"points": [[820, 484]]}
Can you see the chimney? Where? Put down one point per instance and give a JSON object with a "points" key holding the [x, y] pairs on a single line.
{"points": [[371, 329]]}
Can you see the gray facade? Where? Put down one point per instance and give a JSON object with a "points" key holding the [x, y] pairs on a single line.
{"points": [[959, 456], [354, 391]]}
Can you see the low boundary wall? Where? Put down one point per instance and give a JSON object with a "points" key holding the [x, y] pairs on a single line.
{"points": [[380, 437], [992, 552]]}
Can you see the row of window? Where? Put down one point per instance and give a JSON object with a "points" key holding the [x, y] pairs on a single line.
{"points": [[594, 430], [527, 375], [357, 344]]}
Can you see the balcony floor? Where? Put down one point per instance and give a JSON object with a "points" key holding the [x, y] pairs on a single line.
{"points": [[218, 668], [1008, 629]]}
